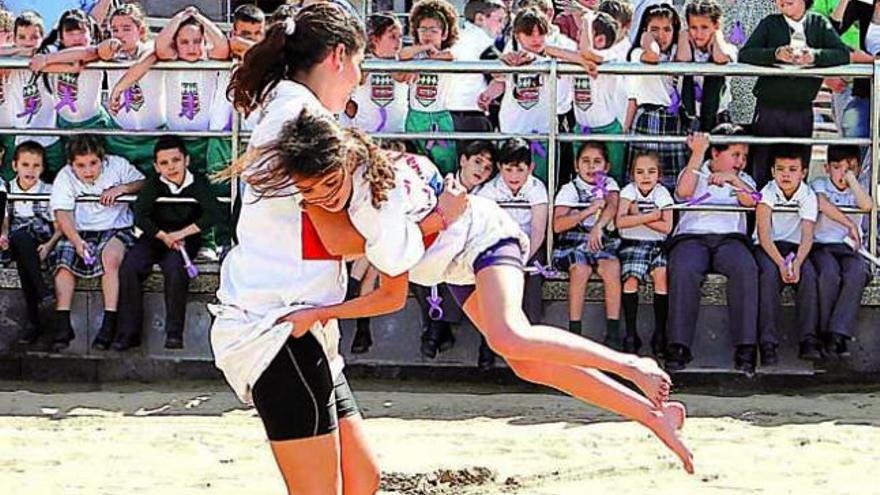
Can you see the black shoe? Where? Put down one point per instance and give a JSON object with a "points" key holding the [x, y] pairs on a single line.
{"points": [[632, 344], [836, 346], [61, 342], [613, 341], [29, 333], [122, 343], [47, 304], [810, 350], [363, 337], [486, 359], [429, 345], [104, 339], [174, 342], [769, 356], [447, 339], [677, 357], [658, 345], [745, 359], [437, 338]]}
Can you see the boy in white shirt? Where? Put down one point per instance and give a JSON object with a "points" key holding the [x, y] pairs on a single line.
{"points": [[524, 197], [96, 235], [842, 273]]}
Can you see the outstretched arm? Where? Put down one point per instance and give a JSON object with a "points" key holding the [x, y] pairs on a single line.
{"points": [[216, 38], [131, 76]]}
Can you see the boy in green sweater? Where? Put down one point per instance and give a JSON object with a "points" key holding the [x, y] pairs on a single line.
{"points": [[796, 37], [168, 229]]}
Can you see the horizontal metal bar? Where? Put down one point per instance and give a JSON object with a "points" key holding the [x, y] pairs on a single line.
{"points": [[719, 208], [624, 68], [128, 198], [22, 63], [112, 132]]}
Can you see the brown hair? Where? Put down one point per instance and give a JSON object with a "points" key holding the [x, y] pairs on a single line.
{"points": [[85, 144], [319, 28], [652, 155], [528, 19], [703, 8], [379, 24], [136, 12], [439, 10], [312, 146]]}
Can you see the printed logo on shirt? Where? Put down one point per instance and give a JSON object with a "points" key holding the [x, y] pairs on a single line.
{"points": [[32, 100], [527, 89], [67, 91], [381, 89], [583, 93], [190, 104], [134, 98], [426, 89]]}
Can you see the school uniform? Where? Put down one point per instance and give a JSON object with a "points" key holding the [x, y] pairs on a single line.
{"points": [[265, 277], [571, 248], [77, 99], [658, 113], [429, 112], [189, 106], [473, 44], [706, 99], [785, 104], [382, 104], [786, 234], [151, 217], [518, 205], [33, 108], [96, 224], [842, 272], [642, 248], [707, 241]]}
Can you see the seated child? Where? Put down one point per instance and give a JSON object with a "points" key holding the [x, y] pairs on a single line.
{"points": [[167, 229], [584, 208], [96, 234], [643, 226]]}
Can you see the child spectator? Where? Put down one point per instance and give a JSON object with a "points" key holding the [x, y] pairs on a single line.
{"points": [[572, 17], [167, 229], [29, 237], [584, 209], [596, 99], [434, 26], [622, 12], [526, 99], [484, 23], [794, 36], [644, 225], [524, 197], [96, 235], [705, 241], [842, 273], [655, 101], [248, 29], [476, 164], [381, 103], [705, 99], [851, 99], [31, 101]]}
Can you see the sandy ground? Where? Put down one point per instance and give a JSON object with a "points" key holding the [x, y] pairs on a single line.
{"points": [[196, 439]]}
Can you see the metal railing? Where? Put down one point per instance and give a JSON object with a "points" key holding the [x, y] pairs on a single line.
{"points": [[552, 69]]}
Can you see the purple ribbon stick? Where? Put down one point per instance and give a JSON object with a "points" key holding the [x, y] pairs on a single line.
{"points": [[544, 271], [435, 312], [188, 106], [698, 91], [738, 35], [755, 195], [383, 119], [699, 199], [88, 259], [65, 93], [600, 190], [789, 262], [675, 104], [440, 142], [191, 270]]}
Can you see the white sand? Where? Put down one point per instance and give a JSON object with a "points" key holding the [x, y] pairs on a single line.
{"points": [[196, 439]]}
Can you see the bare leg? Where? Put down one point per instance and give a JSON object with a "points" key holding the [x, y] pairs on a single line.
{"points": [[65, 284], [609, 270], [111, 258], [578, 276], [659, 278], [360, 468], [310, 466], [509, 333]]}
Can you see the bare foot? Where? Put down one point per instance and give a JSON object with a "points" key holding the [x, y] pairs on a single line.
{"points": [[651, 380], [666, 424]]}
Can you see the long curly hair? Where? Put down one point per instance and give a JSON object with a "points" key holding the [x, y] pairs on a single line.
{"points": [[312, 146]]}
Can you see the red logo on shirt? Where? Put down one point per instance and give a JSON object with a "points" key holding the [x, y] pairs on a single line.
{"points": [[426, 89], [583, 93], [381, 89], [527, 89]]}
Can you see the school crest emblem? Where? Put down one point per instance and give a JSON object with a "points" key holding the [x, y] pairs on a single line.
{"points": [[67, 91], [32, 101], [583, 93], [190, 105], [133, 98], [527, 89], [381, 89], [426, 89]]}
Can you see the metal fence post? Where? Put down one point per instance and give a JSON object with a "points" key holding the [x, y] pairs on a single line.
{"points": [[875, 155], [551, 156]]}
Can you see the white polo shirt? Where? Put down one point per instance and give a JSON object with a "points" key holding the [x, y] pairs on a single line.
{"points": [[656, 198], [532, 193], [568, 196], [32, 105], [652, 90], [472, 42], [828, 231], [25, 209], [597, 100], [787, 226], [77, 95], [382, 104], [712, 222], [144, 107], [189, 98]]}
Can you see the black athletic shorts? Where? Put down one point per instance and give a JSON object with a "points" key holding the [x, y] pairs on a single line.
{"points": [[297, 397]]}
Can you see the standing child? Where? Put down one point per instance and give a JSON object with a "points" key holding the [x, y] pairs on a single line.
{"points": [[584, 208], [168, 229], [706, 99], [622, 12], [655, 101], [524, 197], [248, 29], [29, 236], [644, 225], [96, 235], [842, 273], [434, 26]]}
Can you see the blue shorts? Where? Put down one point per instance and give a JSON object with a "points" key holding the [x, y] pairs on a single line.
{"points": [[505, 252]]}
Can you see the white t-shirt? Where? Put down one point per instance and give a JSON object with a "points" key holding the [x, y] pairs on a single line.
{"points": [[828, 231], [532, 193], [652, 90], [787, 226], [189, 96], [526, 102], [77, 96], [472, 42], [618, 52], [143, 105], [713, 222], [382, 104], [597, 100], [568, 196], [656, 198], [430, 92], [90, 217], [25, 209], [32, 105]]}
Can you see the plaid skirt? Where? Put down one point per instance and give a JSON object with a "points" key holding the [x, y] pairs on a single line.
{"points": [[64, 255], [639, 258], [655, 120], [567, 255]]}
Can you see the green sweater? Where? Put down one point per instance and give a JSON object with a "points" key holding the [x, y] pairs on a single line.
{"points": [[151, 217], [772, 33]]}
